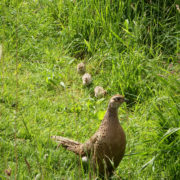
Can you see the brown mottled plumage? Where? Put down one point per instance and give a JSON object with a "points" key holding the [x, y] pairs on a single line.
{"points": [[107, 146]]}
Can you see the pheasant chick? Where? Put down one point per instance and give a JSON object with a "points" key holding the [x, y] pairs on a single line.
{"points": [[99, 91], [87, 79], [81, 68]]}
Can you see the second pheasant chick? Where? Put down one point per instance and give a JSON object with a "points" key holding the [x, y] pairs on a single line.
{"points": [[87, 79]]}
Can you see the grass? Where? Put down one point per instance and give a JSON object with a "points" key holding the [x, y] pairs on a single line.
{"points": [[130, 47]]}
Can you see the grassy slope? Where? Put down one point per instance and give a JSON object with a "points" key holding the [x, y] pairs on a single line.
{"points": [[129, 48]]}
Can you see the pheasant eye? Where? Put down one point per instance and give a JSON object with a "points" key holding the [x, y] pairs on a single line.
{"points": [[118, 99]]}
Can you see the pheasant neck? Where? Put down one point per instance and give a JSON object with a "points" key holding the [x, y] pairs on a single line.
{"points": [[112, 114]]}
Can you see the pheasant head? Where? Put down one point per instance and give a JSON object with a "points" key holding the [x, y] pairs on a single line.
{"points": [[116, 101]]}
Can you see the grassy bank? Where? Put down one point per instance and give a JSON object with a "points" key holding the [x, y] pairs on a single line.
{"points": [[130, 48]]}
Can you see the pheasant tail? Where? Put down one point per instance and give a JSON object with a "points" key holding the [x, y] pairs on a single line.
{"points": [[68, 144]]}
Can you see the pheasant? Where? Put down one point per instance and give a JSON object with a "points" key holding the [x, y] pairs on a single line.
{"points": [[87, 79], [81, 68], [99, 91], [106, 147]]}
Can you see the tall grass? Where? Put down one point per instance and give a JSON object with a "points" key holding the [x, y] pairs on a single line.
{"points": [[131, 47]]}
